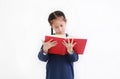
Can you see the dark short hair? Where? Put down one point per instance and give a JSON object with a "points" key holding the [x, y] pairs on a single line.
{"points": [[56, 14]]}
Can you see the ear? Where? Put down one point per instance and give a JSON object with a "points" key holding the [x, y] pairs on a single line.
{"points": [[65, 20], [51, 22], [51, 26]]}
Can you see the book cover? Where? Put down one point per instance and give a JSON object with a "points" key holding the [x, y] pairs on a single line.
{"points": [[60, 49]]}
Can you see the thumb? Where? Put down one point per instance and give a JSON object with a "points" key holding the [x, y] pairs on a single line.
{"points": [[42, 41]]}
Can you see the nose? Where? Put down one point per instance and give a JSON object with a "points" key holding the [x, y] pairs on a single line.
{"points": [[60, 29]]}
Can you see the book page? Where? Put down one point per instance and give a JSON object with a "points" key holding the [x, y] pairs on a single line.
{"points": [[59, 36]]}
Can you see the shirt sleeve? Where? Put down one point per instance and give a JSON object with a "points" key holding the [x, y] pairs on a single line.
{"points": [[72, 57], [42, 56]]}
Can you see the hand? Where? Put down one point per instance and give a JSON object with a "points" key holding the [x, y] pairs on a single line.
{"points": [[47, 45], [69, 45]]}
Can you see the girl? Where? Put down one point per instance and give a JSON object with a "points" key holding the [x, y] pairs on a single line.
{"points": [[58, 66]]}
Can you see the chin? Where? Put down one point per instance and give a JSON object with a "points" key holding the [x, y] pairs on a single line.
{"points": [[61, 33]]}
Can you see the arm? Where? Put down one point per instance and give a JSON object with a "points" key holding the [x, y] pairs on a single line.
{"points": [[72, 57], [42, 56]]}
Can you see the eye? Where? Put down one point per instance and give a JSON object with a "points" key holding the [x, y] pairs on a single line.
{"points": [[61, 25]]}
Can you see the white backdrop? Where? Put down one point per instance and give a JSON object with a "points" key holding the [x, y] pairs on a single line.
{"points": [[23, 23]]}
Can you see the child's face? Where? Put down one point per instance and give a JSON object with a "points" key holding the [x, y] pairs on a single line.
{"points": [[59, 25]]}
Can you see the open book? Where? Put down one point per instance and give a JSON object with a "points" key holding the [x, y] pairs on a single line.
{"points": [[60, 49]]}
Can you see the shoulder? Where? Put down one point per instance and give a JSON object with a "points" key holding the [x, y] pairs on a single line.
{"points": [[72, 36], [69, 36]]}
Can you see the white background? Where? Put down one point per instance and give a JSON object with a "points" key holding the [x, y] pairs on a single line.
{"points": [[23, 23]]}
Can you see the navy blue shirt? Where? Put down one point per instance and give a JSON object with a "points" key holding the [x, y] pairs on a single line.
{"points": [[59, 66]]}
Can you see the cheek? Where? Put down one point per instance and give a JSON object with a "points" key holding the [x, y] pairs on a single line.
{"points": [[64, 27], [56, 29]]}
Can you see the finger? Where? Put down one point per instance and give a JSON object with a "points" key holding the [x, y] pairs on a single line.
{"points": [[74, 44], [72, 41], [42, 41], [50, 40], [68, 40], [64, 43], [54, 43]]}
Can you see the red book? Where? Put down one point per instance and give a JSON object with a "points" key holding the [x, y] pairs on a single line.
{"points": [[60, 49]]}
